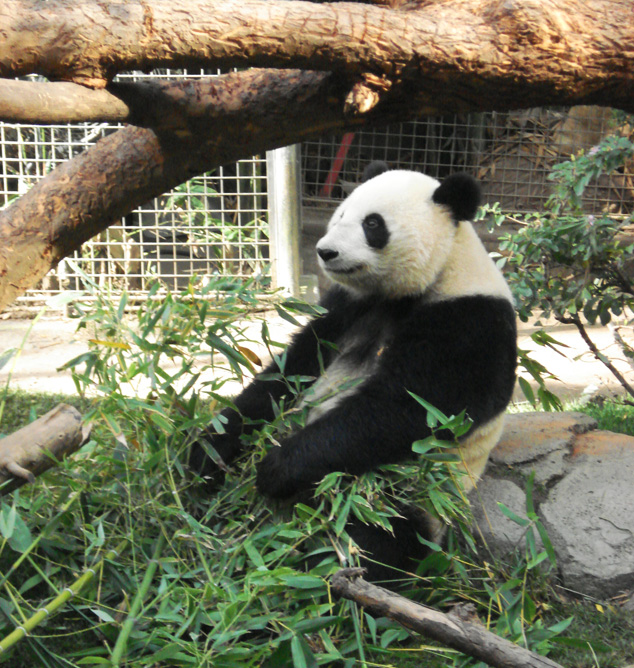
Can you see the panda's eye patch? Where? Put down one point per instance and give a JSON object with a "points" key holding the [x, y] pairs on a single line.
{"points": [[375, 230]]}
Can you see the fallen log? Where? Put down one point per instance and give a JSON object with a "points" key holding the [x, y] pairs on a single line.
{"points": [[30, 451], [455, 629]]}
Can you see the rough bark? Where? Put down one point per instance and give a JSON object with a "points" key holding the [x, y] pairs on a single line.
{"points": [[455, 629], [184, 108], [36, 448], [479, 54], [211, 124]]}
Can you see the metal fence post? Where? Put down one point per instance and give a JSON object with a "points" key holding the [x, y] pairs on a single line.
{"points": [[284, 192]]}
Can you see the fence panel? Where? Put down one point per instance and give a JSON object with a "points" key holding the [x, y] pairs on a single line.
{"points": [[215, 223], [511, 153]]}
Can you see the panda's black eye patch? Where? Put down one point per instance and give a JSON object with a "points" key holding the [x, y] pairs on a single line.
{"points": [[375, 230]]}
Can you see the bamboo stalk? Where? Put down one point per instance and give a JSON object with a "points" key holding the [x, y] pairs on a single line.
{"points": [[43, 613], [128, 625]]}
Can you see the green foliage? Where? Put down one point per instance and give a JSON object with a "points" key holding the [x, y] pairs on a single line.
{"points": [[565, 264], [215, 219], [600, 634], [617, 416], [224, 580], [543, 398]]}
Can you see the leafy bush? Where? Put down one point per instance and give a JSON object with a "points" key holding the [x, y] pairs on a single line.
{"points": [[569, 265]]}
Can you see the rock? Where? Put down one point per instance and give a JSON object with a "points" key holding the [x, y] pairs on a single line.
{"points": [[584, 496], [529, 436], [498, 533], [589, 515], [540, 442]]}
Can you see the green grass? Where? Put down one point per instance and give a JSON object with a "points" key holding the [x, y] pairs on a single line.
{"points": [[19, 408], [616, 415], [611, 415], [607, 627], [75, 632], [22, 407]]}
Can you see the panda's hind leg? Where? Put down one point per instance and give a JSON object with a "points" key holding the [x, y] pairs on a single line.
{"points": [[391, 558], [475, 450]]}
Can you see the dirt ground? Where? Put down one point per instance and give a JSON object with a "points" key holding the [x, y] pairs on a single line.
{"points": [[48, 344]]}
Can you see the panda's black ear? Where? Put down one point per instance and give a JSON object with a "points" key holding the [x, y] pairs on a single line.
{"points": [[461, 193], [374, 169]]}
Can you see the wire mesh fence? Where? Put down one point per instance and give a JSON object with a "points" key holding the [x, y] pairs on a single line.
{"points": [[511, 153], [217, 223], [213, 224]]}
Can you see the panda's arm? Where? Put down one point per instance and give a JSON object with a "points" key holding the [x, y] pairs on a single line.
{"points": [[455, 356], [303, 357]]}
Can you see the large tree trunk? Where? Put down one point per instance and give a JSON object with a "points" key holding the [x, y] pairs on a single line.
{"points": [[386, 64]]}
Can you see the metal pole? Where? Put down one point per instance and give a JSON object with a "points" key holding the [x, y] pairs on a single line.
{"points": [[284, 192]]}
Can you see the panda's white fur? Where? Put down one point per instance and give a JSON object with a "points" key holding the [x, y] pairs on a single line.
{"points": [[427, 251], [469, 270], [418, 307]]}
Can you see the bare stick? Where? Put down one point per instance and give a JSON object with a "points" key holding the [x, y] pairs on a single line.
{"points": [[59, 102], [452, 629], [37, 447], [576, 321], [626, 349]]}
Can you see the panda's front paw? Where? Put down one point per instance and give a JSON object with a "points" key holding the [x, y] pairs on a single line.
{"points": [[275, 477], [212, 467]]}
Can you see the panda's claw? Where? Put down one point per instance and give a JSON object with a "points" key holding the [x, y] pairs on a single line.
{"points": [[213, 469]]}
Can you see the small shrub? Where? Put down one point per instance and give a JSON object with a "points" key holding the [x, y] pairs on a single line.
{"points": [[565, 264]]}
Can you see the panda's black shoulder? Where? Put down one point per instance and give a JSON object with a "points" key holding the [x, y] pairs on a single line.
{"points": [[336, 298], [343, 308], [467, 322]]}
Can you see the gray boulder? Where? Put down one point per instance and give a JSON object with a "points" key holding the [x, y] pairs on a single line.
{"points": [[584, 496]]}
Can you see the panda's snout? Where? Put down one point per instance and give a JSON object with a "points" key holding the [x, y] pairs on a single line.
{"points": [[326, 254]]}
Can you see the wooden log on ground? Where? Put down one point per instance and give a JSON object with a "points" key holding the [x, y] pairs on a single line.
{"points": [[36, 448], [454, 629]]}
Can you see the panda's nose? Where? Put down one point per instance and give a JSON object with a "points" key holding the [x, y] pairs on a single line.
{"points": [[326, 254]]}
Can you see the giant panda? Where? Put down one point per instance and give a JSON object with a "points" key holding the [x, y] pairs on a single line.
{"points": [[417, 306]]}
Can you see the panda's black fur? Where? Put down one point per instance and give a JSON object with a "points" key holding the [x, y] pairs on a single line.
{"points": [[448, 337]]}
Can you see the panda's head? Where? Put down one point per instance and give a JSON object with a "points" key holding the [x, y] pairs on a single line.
{"points": [[393, 235]]}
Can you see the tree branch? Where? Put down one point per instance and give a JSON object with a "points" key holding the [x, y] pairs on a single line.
{"points": [[433, 57], [211, 123], [474, 55], [183, 107], [576, 321], [451, 629], [49, 103]]}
